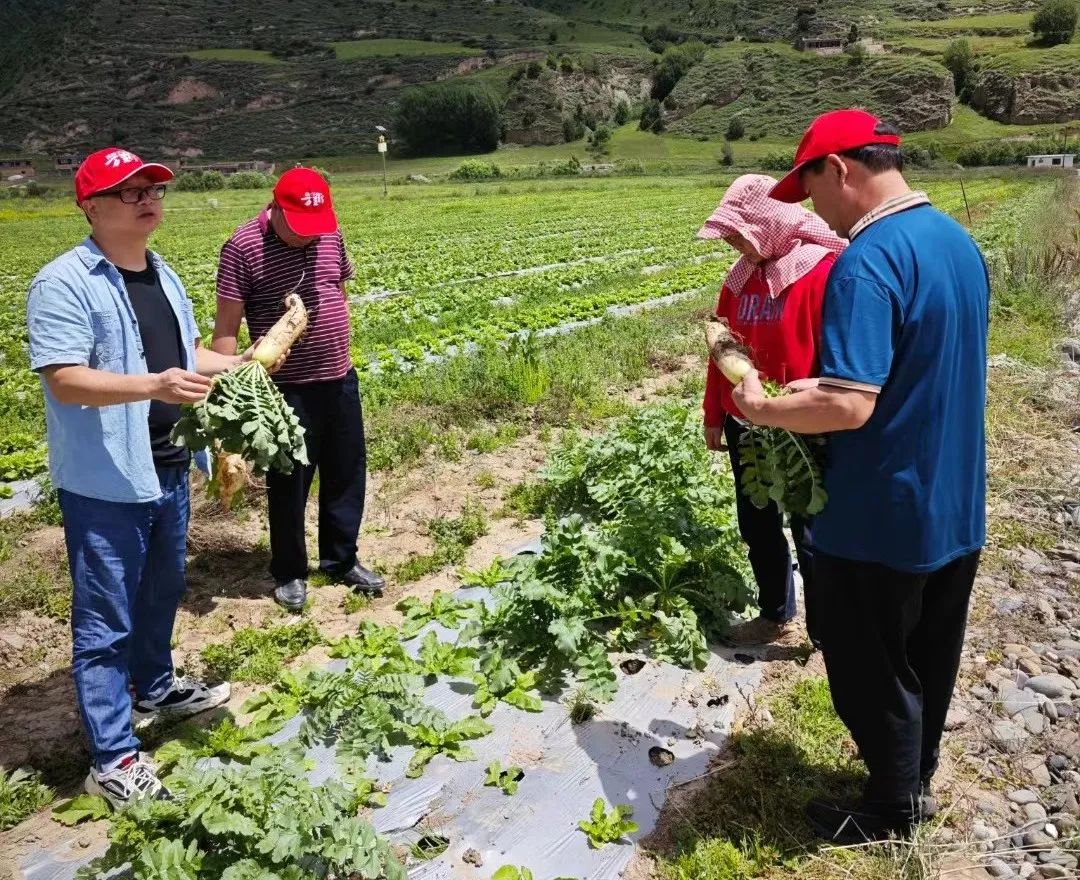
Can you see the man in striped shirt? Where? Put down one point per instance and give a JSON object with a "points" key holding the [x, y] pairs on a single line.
{"points": [[294, 244]]}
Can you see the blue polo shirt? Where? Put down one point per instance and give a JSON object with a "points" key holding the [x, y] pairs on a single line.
{"points": [[906, 312]]}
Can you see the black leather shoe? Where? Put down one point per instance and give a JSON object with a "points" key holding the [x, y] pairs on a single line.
{"points": [[851, 826], [291, 595], [363, 580]]}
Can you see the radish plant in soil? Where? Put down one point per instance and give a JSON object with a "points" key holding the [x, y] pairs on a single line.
{"points": [[778, 465]]}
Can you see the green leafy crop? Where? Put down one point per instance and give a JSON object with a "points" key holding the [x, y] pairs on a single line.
{"points": [[507, 779], [246, 414], [603, 827], [445, 738], [442, 608], [783, 467], [257, 821]]}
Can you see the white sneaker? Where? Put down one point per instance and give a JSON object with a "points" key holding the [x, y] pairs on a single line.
{"points": [[183, 698], [133, 779]]}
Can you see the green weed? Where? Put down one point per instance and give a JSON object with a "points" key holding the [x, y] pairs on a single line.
{"points": [[452, 537], [258, 655], [354, 602], [22, 793], [526, 500], [485, 480], [492, 440]]}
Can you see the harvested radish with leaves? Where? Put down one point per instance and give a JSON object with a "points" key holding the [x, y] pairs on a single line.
{"points": [[245, 414], [778, 465]]}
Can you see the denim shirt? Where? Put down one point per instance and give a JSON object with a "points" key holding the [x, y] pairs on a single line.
{"points": [[79, 312]]}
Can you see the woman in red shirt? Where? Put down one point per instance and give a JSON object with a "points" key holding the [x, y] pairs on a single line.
{"points": [[772, 301]]}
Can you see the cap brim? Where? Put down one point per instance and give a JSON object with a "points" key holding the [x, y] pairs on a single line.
{"points": [[790, 188], [156, 172], [307, 225]]}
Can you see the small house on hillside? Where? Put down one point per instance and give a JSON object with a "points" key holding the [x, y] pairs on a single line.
{"points": [[68, 163], [227, 168], [821, 45], [16, 168], [1051, 160]]}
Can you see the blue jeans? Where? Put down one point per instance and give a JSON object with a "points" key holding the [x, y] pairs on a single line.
{"points": [[127, 565]]}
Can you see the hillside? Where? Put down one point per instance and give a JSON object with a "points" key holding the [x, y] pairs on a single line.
{"points": [[777, 91], [272, 79], [1030, 86]]}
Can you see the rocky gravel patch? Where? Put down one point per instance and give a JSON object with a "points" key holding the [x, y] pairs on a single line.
{"points": [[1015, 720]]}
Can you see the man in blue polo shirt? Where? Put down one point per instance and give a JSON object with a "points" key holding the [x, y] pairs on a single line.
{"points": [[901, 394]]}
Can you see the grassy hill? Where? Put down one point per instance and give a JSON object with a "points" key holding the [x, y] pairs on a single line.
{"points": [[274, 79], [778, 90]]}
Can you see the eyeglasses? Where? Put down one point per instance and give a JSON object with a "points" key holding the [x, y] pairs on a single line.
{"points": [[132, 195]]}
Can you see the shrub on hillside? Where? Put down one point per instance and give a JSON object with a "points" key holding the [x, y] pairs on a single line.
{"points": [[856, 53], [1055, 22], [660, 37], [250, 180], [652, 118], [600, 141], [573, 129], [778, 161], [622, 113], [735, 128], [198, 181], [568, 168], [673, 65], [476, 169], [960, 60], [448, 118]]}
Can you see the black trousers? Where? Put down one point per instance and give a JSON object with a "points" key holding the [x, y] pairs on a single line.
{"points": [[892, 643], [334, 432], [762, 530]]}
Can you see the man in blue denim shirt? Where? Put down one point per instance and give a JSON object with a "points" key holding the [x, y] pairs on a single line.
{"points": [[113, 337]]}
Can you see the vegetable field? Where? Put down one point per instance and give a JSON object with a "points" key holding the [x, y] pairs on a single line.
{"points": [[438, 268]]}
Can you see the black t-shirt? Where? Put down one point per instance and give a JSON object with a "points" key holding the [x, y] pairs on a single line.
{"points": [[164, 349]]}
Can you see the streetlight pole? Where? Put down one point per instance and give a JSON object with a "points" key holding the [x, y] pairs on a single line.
{"points": [[382, 152]]}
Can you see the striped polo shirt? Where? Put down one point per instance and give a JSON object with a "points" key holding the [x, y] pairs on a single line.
{"points": [[258, 269]]}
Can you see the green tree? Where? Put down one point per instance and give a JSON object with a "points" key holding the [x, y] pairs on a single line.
{"points": [[600, 141], [652, 118], [961, 62], [856, 53], [736, 129], [449, 118], [622, 113], [853, 33], [1055, 22]]}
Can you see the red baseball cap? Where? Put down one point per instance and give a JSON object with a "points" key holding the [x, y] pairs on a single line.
{"points": [[112, 166], [833, 132], [304, 197]]}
